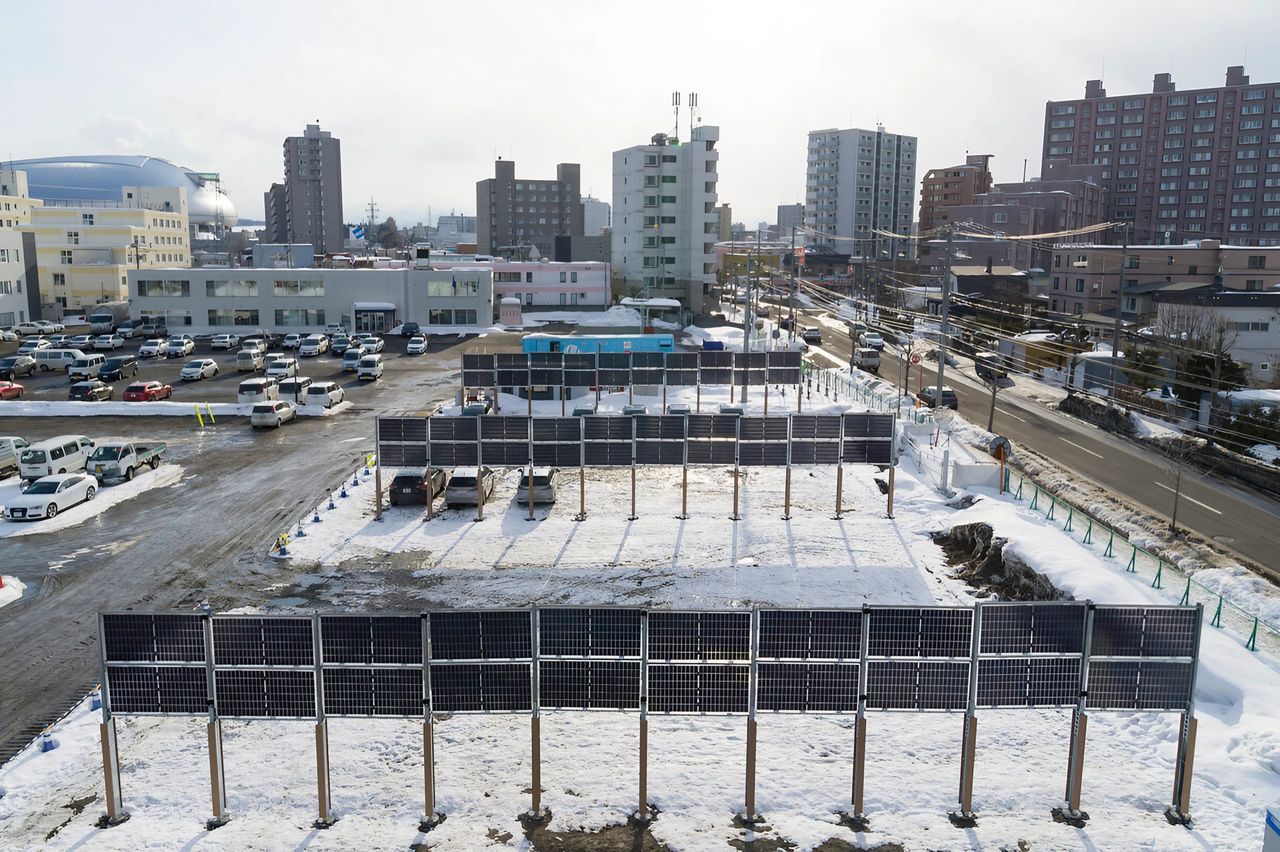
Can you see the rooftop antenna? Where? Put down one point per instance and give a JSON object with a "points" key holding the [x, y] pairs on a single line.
{"points": [[694, 113], [675, 105]]}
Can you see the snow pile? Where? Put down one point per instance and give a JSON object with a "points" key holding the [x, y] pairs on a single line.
{"points": [[161, 477], [165, 408], [1149, 428], [1269, 453], [616, 316], [10, 589]]}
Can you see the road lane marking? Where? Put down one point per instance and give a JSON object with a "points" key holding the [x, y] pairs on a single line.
{"points": [[1192, 499], [1078, 447], [1008, 414]]}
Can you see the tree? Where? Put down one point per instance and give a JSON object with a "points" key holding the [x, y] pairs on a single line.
{"points": [[387, 234], [1144, 368], [1201, 341]]}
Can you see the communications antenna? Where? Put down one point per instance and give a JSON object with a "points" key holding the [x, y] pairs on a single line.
{"points": [[675, 105]]}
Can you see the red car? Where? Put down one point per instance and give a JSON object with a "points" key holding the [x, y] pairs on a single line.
{"points": [[147, 392], [10, 390]]}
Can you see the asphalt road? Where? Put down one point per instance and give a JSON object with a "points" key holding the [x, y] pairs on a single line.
{"points": [[1233, 518]]}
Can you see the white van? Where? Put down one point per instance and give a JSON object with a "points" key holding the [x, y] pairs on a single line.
{"points": [[250, 360], [10, 447], [257, 390], [56, 359], [294, 389], [63, 454], [86, 367], [369, 368]]}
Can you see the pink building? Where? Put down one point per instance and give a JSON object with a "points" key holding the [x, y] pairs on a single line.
{"points": [[583, 284]]}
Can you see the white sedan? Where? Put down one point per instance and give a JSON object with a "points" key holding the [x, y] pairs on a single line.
{"points": [[49, 495], [8, 333], [271, 413], [201, 368], [417, 345], [372, 343], [179, 346], [109, 342], [32, 344], [225, 341], [152, 349]]}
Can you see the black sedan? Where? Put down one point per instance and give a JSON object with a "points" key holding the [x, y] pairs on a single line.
{"points": [[411, 487], [17, 365], [91, 391]]}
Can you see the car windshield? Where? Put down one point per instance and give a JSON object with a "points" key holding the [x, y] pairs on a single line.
{"points": [[8, 362], [463, 482], [194, 365], [42, 487], [368, 362], [113, 362], [81, 362], [106, 454], [318, 390], [32, 457]]}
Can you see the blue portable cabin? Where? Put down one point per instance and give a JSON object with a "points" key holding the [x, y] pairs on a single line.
{"points": [[576, 343]]}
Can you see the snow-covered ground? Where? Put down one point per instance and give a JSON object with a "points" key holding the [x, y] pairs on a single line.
{"points": [[1269, 453], [696, 763], [10, 589], [165, 408], [108, 496], [1151, 428]]}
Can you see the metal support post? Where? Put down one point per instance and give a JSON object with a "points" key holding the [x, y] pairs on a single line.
{"points": [[963, 816], [856, 818], [536, 812], [217, 775], [1070, 812], [324, 792], [766, 399], [751, 817], [893, 464], [786, 500], [1179, 813], [582, 494], [497, 405], [528, 395], [377, 490], [582, 464], [430, 817], [737, 439], [116, 813], [839, 491], [530, 490], [799, 397], [643, 812]]}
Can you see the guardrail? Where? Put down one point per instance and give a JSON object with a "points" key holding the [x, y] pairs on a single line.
{"points": [[347, 486], [1255, 631]]}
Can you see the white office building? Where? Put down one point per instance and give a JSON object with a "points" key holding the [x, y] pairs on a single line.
{"points": [[306, 300], [856, 182], [664, 216]]}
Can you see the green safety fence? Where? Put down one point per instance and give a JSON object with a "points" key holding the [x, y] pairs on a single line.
{"points": [[1255, 631]]}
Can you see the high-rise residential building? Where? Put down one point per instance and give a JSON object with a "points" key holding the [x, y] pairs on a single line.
{"points": [[857, 182], [17, 303], [790, 217], [724, 223], [952, 187], [665, 221], [595, 216], [1179, 165], [309, 205], [522, 218]]}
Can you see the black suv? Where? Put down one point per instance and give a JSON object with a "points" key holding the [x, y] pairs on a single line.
{"points": [[118, 368], [410, 487], [92, 391], [409, 329]]}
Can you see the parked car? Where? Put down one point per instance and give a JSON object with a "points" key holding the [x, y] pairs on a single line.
{"points": [[479, 408], [351, 359], [179, 345], [785, 323], [50, 327], [633, 409], [417, 345], [108, 342], [469, 486], [56, 359], [679, 408], [147, 392], [63, 454], [282, 368], [335, 329], [119, 368], [271, 413], [866, 358], [339, 344], [80, 341], [154, 348], [91, 391], [152, 329], [10, 390], [32, 345], [57, 341], [9, 333], [312, 345], [49, 495], [410, 329], [372, 343], [812, 336], [265, 339], [295, 389], [989, 366], [949, 398], [546, 481], [291, 341], [416, 487], [120, 461], [201, 368], [29, 329], [327, 394], [250, 361], [88, 367], [129, 329], [11, 446], [253, 344], [370, 368], [17, 365], [257, 390], [225, 341], [873, 340]]}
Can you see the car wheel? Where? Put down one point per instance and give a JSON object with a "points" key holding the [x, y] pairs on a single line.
{"points": [[278, 422], [51, 510], [128, 474], [155, 462], [44, 368], [90, 493]]}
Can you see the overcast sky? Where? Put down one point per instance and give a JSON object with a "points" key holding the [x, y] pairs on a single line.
{"points": [[424, 96]]}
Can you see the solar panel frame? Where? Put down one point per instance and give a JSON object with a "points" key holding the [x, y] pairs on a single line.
{"points": [[825, 688], [699, 636], [369, 640], [159, 690], [481, 635], [265, 693], [589, 685], [700, 689], [161, 637], [278, 641]]}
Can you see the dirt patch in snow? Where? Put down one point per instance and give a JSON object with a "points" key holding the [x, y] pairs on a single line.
{"points": [[982, 561], [611, 838]]}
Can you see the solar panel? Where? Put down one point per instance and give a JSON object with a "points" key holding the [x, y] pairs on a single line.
{"points": [[373, 692], [589, 632], [606, 428], [557, 429], [1019, 628], [453, 428], [479, 378], [783, 376], [505, 454], [589, 685], [265, 694], [681, 361], [149, 638], [480, 688], [660, 426], [402, 429], [699, 635], [546, 359], [648, 360], [580, 361], [919, 632], [698, 688], [681, 378], [763, 429], [504, 428], [784, 358], [615, 361], [750, 360], [477, 361], [511, 361], [1170, 632], [262, 641], [810, 634], [1144, 631], [539, 377], [580, 378], [903, 685], [370, 639], [815, 452], [480, 635], [1028, 682], [607, 454], [715, 376], [403, 455], [801, 688], [646, 376], [514, 378], [721, 359], [170, 690]]}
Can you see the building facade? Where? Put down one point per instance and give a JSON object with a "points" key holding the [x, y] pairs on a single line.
{"points": [[665, 221], [1201, 163], [305, 300], [1252, 324], [790, 217], [1084, 279], [544, 284], [452, 230], [517, 218], [311, 194], [724, 223], [15, 210], [595, 216], [954, 186]]}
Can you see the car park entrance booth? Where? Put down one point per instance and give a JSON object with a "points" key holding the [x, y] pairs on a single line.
{"points": [[374, 317]]}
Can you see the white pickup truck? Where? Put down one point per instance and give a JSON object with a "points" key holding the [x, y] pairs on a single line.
{"points": [[115, 462]]}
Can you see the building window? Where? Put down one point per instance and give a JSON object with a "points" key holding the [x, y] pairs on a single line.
{"points": [[562, 277], [668, 199], [86, 218], [299, 316], [573, 278], [299, 288], [1079, 285], [230, 316], [224, 289], [172, 288], [1257, 261]]}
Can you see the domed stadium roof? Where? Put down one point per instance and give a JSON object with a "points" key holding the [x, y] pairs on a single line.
{"points": [[99, 178]]}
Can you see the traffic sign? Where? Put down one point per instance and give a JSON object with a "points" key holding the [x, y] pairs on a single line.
{"points": [[915, 359]]}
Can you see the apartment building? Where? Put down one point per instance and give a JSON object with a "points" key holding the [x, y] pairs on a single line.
{"points": [[665, 221], [307, 207], [84, 248], [857, 182], [16, 294], [518, 217], [790, 218], [1083, 279], [1200, 163], [595, 216], [953, 186], [543, 284]]}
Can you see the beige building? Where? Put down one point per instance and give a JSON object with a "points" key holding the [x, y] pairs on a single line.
{"points": [[85, 248]]}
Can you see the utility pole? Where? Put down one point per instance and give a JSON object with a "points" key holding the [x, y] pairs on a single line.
{"points": [[1115, 332], [942, 334], [791, 301], [994, 383]]}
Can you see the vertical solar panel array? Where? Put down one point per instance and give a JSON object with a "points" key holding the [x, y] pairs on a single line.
{"points": [[479, 370], [713, 438], [918, 658], [619, 369], [783, 368], [504, 441], [1143, 658], [155, 663], [868, 439], [512, 369], [1030, 655], [546, 369], [699, 662], [264, 667], [715, 368], [481, 661], [648, 368], [454, 441], [372, 665], [763, 440], [402, 441], [580, 370], [815, 439], [808, 661], [589, 658], [615, 369], [607, 441], [659, 437], [681, 369], [557, 441], [750, 368]]}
